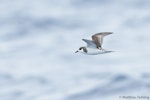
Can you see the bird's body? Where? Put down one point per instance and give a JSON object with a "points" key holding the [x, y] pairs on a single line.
{"points": [[94, 51], [94, 46]]}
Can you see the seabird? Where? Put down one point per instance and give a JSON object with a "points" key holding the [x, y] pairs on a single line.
{"points": [[94, 46]]}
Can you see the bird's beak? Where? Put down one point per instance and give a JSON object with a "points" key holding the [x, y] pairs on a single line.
{"points": [[76, 51]]}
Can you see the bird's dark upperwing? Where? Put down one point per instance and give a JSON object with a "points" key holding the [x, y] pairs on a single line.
{"points": [[98, 38]]}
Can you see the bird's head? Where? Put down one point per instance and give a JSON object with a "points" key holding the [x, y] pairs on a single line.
{"points": [[81, 49]]}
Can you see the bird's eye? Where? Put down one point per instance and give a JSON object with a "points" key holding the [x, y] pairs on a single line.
{"points": [[80, 48]]}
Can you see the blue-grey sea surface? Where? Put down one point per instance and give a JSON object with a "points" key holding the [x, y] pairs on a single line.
{"points": [[38, 40]]}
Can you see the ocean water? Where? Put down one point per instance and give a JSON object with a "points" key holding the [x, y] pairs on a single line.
{"points": [[38, 40]]}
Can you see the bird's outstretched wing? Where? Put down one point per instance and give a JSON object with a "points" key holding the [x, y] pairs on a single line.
{"points": [[98, 38], [90, 43]]}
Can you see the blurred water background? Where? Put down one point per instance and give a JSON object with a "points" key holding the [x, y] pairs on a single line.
{"points": [[38, 39]]}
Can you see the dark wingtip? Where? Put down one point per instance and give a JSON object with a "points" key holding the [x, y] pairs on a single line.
{"points": [[111, 51], [110, 32]]}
